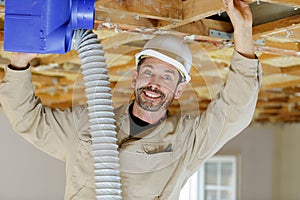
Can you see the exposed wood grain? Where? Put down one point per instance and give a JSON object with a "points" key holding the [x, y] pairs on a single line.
{"points": [[285, 2], [281, 24], [154, 9], [194, 10]]}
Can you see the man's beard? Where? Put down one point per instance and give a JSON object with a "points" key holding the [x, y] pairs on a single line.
{"points": [[150, 105]]}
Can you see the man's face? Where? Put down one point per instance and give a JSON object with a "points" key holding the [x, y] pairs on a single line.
{"points": [[156, 85]]}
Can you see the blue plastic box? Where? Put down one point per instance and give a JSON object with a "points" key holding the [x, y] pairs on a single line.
{"points": [[45, 26]]}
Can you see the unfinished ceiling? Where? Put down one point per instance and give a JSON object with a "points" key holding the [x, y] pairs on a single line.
{"points": [[124, 26]]}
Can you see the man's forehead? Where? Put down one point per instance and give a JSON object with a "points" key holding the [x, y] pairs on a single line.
{"points": [[152, 62]]}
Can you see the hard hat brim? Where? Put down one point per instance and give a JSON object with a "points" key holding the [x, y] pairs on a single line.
{"points": [[156, 54]]}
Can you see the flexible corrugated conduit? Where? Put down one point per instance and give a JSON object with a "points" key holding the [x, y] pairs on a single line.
{"points": [[102, 123]]}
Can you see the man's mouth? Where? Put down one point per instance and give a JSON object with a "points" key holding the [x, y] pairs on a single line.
{"points": [[151, 94]]}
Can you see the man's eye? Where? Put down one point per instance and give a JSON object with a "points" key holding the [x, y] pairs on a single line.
{"points": [[167, 77], [148, 72]]}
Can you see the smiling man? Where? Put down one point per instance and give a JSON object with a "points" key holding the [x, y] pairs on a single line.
{"points": [[161, 75], [158, 151]]}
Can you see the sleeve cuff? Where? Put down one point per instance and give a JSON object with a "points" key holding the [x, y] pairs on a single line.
{"points": [[18, 75], [243, 63], [247, 66], [10, 66]]}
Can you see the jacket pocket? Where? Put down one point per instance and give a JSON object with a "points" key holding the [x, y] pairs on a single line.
{"points": [[157, 148]]}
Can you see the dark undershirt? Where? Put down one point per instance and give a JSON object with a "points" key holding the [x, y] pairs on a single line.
{"points": [[136, 124]]}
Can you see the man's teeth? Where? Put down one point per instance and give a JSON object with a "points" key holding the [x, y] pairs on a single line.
{"points": [[152, 95]]}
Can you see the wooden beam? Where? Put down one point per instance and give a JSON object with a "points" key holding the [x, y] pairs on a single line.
{"points": [[1, 36], [203, 27], [275, 26], [117, 19], [287, 45], [194, 10], [2, 10], [294, 99], [268, 104], [277, 51], [1, 74], [266, 96], [197, 8], [99, 3], [283, 62], [279, 37], [293, 90], [282, 84], [291, 70], [154, 9], [285, 2]]}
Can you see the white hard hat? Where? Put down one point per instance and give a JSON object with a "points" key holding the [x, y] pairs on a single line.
{"points": [[171, 49]]}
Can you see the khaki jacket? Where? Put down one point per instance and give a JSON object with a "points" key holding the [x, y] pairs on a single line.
{"points": [[153, 167]]}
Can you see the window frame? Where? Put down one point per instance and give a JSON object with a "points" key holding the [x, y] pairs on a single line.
{"points": [[195, 186]]}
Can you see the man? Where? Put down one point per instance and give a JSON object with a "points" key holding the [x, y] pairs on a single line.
{"points": [[158, 151]]}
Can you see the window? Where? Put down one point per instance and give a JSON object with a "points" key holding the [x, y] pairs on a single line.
{"points": [[215, 180]]}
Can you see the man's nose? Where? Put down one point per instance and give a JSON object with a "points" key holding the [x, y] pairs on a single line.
{"points": [[155, 80], [153, 86]]}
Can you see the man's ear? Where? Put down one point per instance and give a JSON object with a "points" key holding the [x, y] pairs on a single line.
{"points": [[179, 90], [134, 77]]}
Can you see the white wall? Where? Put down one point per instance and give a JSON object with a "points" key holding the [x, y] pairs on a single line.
{"points": [[289, 137], [270, 161], [256, 150], [25, 172]]}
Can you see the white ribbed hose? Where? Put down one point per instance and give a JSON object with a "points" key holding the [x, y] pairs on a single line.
{"points": [[102, 123]]}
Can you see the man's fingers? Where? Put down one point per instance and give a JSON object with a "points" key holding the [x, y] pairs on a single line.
{"points": [[228, 3]]}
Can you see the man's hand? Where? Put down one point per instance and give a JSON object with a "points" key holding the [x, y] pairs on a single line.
{"points": [[240, 15], [239, 12], [20, 60]]}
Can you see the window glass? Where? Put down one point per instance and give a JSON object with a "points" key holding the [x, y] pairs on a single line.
{"points": [[215, 180]]}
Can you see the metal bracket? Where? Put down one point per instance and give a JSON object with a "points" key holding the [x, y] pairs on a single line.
{"points": [[220, 34]]}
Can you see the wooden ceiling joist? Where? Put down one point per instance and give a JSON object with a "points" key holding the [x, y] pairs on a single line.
{"points": [[291, 70], [116, 19], [203, 27], [295, 3], [194, 10], [154, 9], [277, 25], [283, 84]]}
